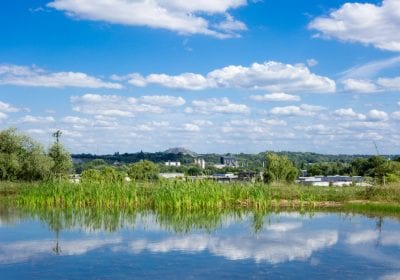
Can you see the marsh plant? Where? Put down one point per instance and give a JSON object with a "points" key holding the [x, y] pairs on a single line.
{"points": [[194, 195]]}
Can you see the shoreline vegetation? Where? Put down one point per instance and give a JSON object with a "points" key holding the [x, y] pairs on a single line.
{"points": [[167, 195], [185, 206]]}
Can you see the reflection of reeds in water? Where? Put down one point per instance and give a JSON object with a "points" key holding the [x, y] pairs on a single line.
{"points": [[178, 221], [88, 219], [187, 221], [374, 209], [111, 219]]}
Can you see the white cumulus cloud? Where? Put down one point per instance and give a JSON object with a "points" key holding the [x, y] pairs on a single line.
{"points": [[217, 105], [389, 83], [376, 115], [360, 86], [366, 23], [348, 113], [191, 127], [3, 116], [36, 77], [37, 119], [163, 100], [368, 86], [270, 76], [277, 96], [396, 115], [75, 120], [120, 106], [302, 110], [185, 17], [7, 108]]}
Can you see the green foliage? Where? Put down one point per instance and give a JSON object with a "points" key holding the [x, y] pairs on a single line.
{"points": [[379, 168], [279, 169], [108, 175], [62, 160], [388, 172], [125, 158], [194, 171], [368, 166], [143, 170], [90, 176], [97, 164], [376, 167], [329, 168], [21, 158]]}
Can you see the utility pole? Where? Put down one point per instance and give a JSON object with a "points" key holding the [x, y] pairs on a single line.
{"points": [[377, 153], [57, 135]]}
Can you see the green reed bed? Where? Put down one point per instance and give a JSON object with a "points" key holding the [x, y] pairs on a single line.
{"points": [[179, 195], [195, 195]]}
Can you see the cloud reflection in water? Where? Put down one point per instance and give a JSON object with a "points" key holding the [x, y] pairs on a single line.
{"points": [[22, 251], [268, 247]]}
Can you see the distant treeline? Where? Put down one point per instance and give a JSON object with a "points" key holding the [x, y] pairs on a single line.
{"points": [[134, 157], [301, 160]]}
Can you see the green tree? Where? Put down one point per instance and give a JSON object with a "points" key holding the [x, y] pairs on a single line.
{"points": [[194, 171], [279, 169], [61, 157], [97, 164], [21, 158], [143, 170], [388, 172]]}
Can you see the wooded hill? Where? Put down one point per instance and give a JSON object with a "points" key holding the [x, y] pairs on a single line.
{"points": [[300, 159]]}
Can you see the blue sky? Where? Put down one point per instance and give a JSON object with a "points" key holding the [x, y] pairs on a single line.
{"points": [[211, 76]]}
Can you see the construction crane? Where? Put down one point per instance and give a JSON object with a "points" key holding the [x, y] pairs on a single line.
{"points": [[376, 148]]}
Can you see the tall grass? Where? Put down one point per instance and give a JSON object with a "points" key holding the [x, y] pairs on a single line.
{"points": [[183, 206], [194, 195]]}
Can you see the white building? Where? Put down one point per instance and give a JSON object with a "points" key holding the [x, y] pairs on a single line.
{"points": [[172, 175], [337, 180], [200, 162], [219, 166], [173, 163]]}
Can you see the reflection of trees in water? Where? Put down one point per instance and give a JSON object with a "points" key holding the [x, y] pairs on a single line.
{"points": [[113, 219], [8, 213]]}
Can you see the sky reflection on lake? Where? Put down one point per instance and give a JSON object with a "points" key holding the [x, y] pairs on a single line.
{"points": [[280, 245]]}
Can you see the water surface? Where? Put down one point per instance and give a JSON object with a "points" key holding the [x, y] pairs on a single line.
{"points": [[116, 245]]}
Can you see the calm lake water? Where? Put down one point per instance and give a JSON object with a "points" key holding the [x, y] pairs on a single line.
{"points": [[114, 245]]}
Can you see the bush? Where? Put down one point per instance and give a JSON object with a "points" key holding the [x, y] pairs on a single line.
{"points": [[107, 175], [143, 170], [279, 169]]}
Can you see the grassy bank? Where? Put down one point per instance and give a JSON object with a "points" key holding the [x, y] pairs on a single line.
{"points": [[198, 195]]}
